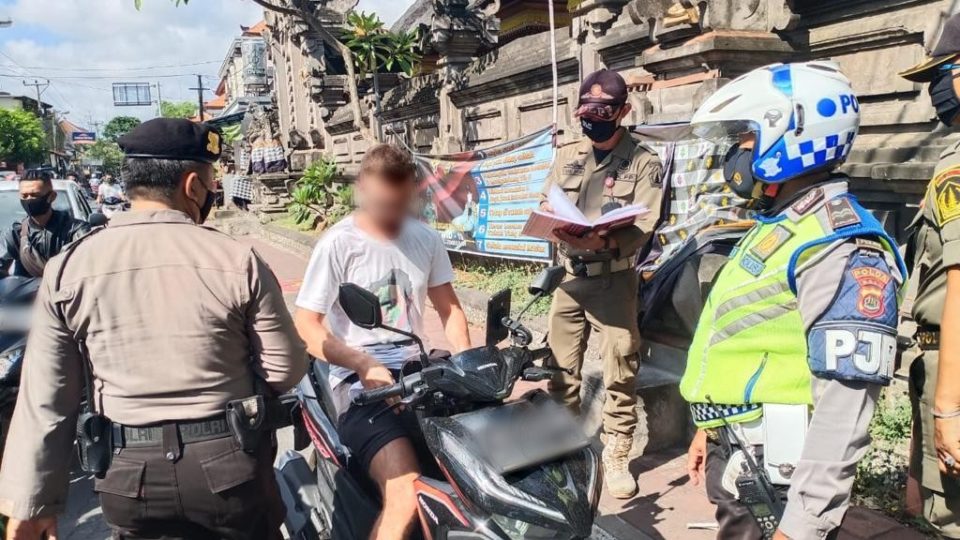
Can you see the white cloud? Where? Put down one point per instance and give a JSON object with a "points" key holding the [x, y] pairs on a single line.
{"points": [[97, 42]]}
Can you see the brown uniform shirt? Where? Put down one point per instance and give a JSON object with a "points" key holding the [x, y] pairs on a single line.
{"points": [[937, 241], [174, 317], [636, 174]]}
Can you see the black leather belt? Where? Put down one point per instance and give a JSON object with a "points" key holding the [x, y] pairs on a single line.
{"points": [[189, 432], [928, 340]]}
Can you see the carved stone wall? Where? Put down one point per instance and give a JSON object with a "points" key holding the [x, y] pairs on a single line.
{"points": [[674, 53]]}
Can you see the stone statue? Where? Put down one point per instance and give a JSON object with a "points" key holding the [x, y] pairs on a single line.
{"points": [[459, 32], [597, 17], [706, 15]]}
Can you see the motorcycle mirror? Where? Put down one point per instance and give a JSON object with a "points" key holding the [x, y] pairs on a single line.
{"points": [[97, 219], [498, 309], [547, 281], [361, 306]]}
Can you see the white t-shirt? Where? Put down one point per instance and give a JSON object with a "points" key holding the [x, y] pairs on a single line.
{"points": [[398, 271]]}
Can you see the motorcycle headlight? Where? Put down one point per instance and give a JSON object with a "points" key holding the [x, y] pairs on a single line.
{"points": [[521, 530]]}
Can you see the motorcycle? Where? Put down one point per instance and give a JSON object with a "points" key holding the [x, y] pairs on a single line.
{"points": [[16, 296], [505, 469], [113, 205]]}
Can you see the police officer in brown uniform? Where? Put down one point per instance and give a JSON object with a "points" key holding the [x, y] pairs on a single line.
{"points": [[171, 321], [935, 245], [608, 169]]}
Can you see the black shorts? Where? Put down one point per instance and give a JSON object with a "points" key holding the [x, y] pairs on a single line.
{"points": [[365, 439]]}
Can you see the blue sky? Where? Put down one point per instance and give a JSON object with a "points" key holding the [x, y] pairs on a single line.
{"points": [[82, 46]]}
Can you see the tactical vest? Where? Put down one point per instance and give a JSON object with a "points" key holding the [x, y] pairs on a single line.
{"points": [[750, 346]]}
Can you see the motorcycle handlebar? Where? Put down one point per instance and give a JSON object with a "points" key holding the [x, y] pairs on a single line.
{"points": [[379, 394], [541, 354]]}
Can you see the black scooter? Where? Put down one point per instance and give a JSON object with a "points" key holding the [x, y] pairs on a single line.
{"points": [[16, 297], [506, 469]]}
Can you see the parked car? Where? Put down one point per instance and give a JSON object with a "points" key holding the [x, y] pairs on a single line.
{"points": [[69, 198]]}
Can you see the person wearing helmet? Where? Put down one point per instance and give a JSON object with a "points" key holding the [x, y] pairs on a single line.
{"points": [[605, 170], [935, 250], [798, 334]]}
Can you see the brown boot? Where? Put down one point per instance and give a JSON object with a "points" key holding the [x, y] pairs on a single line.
{"points": [[616, 467]]}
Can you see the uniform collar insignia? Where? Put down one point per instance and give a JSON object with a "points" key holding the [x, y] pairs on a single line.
{"points": [[808, 201], [841, 213], [771, 243]]}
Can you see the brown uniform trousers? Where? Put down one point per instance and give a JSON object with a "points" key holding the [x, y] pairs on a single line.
{"points": [[212, 490], [605, 304], [585, 305]]}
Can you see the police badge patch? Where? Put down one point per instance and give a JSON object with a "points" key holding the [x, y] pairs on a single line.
{"points": [[873, 282], [575, 168], [946, 188]]}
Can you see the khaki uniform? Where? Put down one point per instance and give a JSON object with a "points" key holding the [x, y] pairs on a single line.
{"points": [[936, 245], [175, 318], [603, 297]]}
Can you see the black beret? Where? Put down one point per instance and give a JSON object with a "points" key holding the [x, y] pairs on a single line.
{"points": [[172, 138]]}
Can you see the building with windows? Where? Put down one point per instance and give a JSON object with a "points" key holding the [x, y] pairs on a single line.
{"points": [[244, 78]]}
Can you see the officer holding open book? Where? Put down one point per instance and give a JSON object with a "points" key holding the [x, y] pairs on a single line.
{"points": [[606, 171]]}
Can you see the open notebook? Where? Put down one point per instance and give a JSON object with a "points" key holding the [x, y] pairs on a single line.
{"points": [[568, 217]]}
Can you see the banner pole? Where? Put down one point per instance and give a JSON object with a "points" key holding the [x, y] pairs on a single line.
{"points": [[553, 63]]}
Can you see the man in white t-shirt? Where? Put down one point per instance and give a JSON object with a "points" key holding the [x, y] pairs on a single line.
{"points": [[382, 249]]}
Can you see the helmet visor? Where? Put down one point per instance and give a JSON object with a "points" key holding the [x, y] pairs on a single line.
{"points": [[727, 131]]}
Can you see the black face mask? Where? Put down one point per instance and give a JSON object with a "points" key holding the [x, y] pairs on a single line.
{"points": [[944, 98], [738, 171], [206, 207], [598, 130], [36, 207]]}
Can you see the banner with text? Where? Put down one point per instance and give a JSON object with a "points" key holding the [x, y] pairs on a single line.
{"points": [[480, 200]]}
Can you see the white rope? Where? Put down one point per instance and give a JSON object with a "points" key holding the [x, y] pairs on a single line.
{"points": [[553, 62]]}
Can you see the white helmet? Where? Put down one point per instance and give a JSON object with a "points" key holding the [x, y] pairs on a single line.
{"points": [[805, 117]]}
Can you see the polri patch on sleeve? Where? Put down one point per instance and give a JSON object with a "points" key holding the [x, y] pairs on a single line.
{"points": [[873, 283], [772, 242], [855, 339], [841, 213], [946, 186]]}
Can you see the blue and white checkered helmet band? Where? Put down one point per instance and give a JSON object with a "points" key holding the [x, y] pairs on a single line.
{"points": [[822, 149]]}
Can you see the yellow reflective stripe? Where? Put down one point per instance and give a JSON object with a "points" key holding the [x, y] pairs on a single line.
{"points": [[751, 320], [752, 297]]}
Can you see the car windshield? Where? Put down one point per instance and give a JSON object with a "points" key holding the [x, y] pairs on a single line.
{"points": [[11, 211]]}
